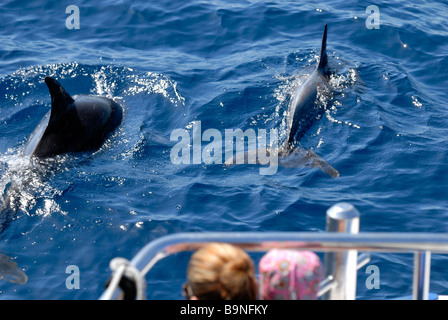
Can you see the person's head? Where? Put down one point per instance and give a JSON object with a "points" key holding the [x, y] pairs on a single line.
{"points": [[289, 275], [220, 271]]}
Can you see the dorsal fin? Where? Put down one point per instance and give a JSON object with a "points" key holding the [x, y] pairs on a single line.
{"points": [[60, 99], [323, 52]]}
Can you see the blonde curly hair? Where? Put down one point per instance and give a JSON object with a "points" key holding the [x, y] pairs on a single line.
{"points": [[221, 271]]}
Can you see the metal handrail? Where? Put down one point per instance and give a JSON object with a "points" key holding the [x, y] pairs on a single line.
{"points": [[400, 242], [421, 244]]}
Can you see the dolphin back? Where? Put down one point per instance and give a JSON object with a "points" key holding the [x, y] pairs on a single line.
{"points": [[10, 272], [73, 124]]}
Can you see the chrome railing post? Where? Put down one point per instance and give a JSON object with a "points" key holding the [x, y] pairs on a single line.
{"points": [[422, 269], [342, 217]]}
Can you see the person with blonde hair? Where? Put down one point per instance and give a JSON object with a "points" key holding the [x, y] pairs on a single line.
{"points": [[220, 271]]}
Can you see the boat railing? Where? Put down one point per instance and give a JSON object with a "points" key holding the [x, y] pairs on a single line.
{"points": [[340, 243]]}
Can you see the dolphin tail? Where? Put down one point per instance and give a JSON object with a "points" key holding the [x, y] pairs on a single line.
{"points": [[60, 99], [323, 52], [300, 157], [297, 158], [323, 165]]}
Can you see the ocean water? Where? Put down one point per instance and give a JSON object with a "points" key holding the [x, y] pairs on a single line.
{"points": [[229, 64]]}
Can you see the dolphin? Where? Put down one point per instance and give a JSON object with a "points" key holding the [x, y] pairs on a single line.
{"points": [[303, 110], [10, 272], [74, 124]]}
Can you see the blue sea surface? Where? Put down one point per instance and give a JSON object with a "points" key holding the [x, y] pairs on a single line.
{"points": [[228, 64]]}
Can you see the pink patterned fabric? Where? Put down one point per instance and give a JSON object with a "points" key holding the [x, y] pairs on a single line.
{"points": [[289, 275]]}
